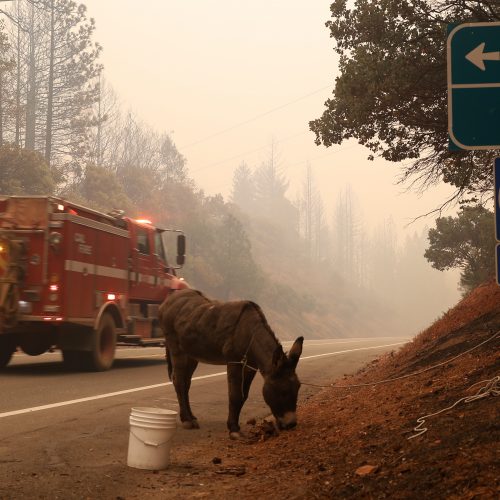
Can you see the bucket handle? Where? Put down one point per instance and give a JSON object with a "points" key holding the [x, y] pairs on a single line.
{"points": [[150, 443]]}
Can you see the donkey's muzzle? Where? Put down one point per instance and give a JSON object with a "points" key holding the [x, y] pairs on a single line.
{"points": [[288, 421]]}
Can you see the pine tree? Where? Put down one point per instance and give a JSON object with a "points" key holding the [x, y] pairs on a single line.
{"points": [[243, 190]]}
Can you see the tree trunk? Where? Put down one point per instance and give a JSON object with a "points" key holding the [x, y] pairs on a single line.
{"points": [[18, 82], [31, 93], [1, 108], [50, 95]]}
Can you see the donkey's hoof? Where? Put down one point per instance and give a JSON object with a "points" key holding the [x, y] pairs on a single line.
{"points": [[190, 424], [235, 435]]}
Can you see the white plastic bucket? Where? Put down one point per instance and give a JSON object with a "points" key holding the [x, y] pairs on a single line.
{"points": [[150, 440]]}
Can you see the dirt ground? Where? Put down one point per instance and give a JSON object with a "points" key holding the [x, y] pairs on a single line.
{"points": [[350, 442]]}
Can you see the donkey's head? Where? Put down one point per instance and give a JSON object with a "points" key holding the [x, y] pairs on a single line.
{"points": [[281, 385]]}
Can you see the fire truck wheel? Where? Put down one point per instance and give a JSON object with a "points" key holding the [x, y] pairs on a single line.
{"points": [[34, 345], [7, 349], [104, 345]]}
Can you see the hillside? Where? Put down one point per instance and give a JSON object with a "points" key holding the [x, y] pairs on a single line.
{"points": [[308, 298], [344, 429]]}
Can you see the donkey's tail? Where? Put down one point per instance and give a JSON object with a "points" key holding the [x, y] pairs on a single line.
{"points": [[169, 362]]}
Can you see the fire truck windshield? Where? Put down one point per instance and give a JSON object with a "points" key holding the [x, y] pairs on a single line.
{"points": [[159, 250]]}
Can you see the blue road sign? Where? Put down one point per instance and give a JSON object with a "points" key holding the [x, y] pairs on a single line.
{"points": [[496, 175], [473, 52]]}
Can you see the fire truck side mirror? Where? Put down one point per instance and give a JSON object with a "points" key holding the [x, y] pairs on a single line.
{"points": [[181, 249]]}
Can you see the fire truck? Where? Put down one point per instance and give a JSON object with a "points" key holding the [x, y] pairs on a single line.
{"points": [[80, 280]]}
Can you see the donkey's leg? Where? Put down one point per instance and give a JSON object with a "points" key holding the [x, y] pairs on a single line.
{"points": [[191, 367], [183, 368], [239, 380]]}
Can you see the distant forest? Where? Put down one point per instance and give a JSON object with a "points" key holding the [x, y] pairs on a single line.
{"points": [[64, 131]]}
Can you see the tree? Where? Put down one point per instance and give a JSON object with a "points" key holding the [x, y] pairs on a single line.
{"points": [[235, 263], [6, 66], [383, 259], [56, 78], [466, 242], [312, 225], [101, 189], [104, 135], [348, 244], [243, 191], [391, 93], [172, 163], [24, 172], [270, 188]]}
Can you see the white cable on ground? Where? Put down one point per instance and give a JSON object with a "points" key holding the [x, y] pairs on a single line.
{"points": [[408, 374], [492, 388]]}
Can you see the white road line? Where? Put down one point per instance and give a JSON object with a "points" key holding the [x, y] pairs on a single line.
{"points": [[164, 384], [312, 342], [348, 350], [99, 396]]}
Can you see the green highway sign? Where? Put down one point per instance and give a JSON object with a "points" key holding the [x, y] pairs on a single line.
{"points": [[473, 53]]}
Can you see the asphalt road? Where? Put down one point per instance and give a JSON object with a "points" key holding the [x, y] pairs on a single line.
{"points": [[50, 417], [37, 390]]}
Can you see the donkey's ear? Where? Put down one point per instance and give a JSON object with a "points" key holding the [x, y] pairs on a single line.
{"points": [[279, 359], [296, 351]]}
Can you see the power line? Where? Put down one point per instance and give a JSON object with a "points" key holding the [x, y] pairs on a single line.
{"points": [[260, 148], [256, 117]]}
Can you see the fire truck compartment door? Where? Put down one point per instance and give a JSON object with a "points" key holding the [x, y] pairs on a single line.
{"points": [[80, 271]]}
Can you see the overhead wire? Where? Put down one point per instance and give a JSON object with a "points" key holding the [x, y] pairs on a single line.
{"points": [[256, 117]]}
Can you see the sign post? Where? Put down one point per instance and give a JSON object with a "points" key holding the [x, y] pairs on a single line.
{"points": [[496, 173]]}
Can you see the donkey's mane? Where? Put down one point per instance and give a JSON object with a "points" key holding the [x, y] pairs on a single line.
{"points": [[264, 320]]}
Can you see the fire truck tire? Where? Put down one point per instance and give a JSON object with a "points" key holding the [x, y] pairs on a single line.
{"points": [[7, 349], [34, 345], [102, 355]]}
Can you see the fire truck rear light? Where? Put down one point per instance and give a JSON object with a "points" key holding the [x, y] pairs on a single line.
{"points": [[54, 288], [60, 207], [111, 296], [58, 319]]}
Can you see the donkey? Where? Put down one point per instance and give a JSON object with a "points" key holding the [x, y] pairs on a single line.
{"points": [[235, 334]]}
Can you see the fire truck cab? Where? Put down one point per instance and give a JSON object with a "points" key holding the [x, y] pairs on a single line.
{"points": [[80, 280]]}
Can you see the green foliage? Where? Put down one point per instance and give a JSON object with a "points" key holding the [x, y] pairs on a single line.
{"points": [[233, 256], [391, 93], [101, 189], [466, 242], [24, 172]]}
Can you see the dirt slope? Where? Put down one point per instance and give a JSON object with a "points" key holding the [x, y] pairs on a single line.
{"points": [[343, 430]]}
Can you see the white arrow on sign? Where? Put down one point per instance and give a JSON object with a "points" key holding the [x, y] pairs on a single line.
{"points": [[477, 56]]}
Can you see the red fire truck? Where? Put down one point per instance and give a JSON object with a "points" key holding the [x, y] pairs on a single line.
{"points": [[80, 280]]}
